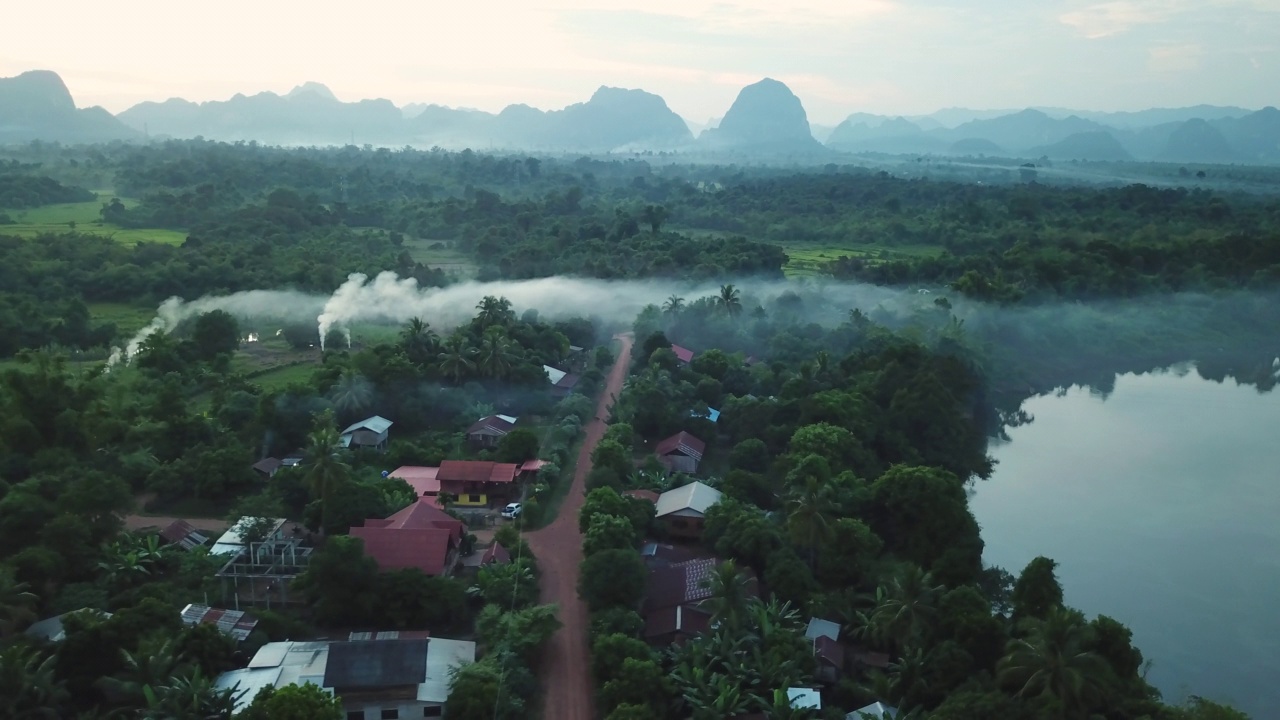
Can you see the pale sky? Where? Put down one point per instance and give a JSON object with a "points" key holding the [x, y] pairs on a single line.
{"points": [[839, 56]]}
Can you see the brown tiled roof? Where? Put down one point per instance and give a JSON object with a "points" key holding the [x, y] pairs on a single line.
{"points": [[495, 554], [829, 651], [679, 583], [266, 466], [492, 424], [649, 495], [423, 480], [682, 442], [476, 471], [676, 619], [567, 382]]}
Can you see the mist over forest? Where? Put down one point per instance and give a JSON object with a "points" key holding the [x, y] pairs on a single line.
{"points": [[814, 349]]}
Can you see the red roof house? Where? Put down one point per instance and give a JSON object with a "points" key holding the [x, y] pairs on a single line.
{"points": [[681, 452], [420, 536], [684, 355], [477, 483], [423, 480]]}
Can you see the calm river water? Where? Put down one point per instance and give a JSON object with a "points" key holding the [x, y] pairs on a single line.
{"points": [[1161, 504]]}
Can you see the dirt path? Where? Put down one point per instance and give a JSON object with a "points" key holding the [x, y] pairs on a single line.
{"points": [[566, 667]]}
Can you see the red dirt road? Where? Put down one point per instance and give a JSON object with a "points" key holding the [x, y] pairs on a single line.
{"points": [[566, 667]]}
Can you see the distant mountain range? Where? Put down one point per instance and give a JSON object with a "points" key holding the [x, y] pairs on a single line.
{"points": [[766, 119], [37, 106]]}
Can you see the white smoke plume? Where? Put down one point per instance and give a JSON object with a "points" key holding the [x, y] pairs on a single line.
{"points": [[391, 299], [282, 304]]}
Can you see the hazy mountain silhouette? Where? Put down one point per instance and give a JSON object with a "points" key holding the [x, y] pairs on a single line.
{"points": [[1197, 141], [1092, 145], [976, 146], [36, 105], [1254, 137], [766, 117]]}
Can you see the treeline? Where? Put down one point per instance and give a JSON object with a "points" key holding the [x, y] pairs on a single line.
{"points": [[28, 189]]}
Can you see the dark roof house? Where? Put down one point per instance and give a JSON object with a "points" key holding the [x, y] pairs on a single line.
{"points": [[184, 535], [673, 598], [267, 466], [371, 432], [681, 452], [488, 430], [420, 536], [375, 664]]}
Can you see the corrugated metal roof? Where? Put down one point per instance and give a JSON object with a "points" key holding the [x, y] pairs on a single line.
{"points": [[874, 711], [247, 682], [554, 375], [373, 664], [804, 698], [695, 496], [232, 535], [376, 424], [822, 628], [682, 442], [235, 623], [442, 656]]}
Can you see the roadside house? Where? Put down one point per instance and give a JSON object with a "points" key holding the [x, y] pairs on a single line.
{"points": [[562, 383], [375, 675], [684, 355], [371, 432], [680, 453], [477, 483], [184, 535], [489, 430], [420, 536], [828, 653], [425, 481], [682, 510], [673, 608]]}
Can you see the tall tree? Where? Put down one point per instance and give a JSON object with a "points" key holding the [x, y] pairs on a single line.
{"points": [[673, 306], [905, 608], [456, 357], [419, 340], [16, 603], [29, 688], [1052, 666], [496, 354], [809, 516], [729, 301], [1037, 590], [353, 393], [730, 593], [654, 216], [495, 311], [326, 471]]}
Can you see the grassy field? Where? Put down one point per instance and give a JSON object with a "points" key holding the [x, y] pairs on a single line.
{"points": [[451, 261], [282, 377], [807, 259], [58, 218], [128, 319]]}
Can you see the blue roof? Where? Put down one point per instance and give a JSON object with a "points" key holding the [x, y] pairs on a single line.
{"points": [[712, 414]]}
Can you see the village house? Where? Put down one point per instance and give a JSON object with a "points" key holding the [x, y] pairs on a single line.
{"points": [[827, 650], [420, 536], [684, 355], [368, 433], [477, 483], [682, 511], [267, 467], [562, 383], [489, 430], [425, 481], [52, 630], [495, 554], [375, 675], [184, 535], [675, 594], [680, 453], [234, 623]]}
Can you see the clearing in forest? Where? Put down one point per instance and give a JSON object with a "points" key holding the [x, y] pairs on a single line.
{"points": [[31, 222]]}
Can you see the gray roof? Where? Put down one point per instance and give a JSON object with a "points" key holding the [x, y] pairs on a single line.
{"points": [[51, 628], [376, 664], [695, 496], [822, 628], [376, 424], [874, 711]]}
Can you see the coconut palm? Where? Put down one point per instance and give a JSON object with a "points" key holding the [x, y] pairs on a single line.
{"points": [[353, 393], [418, 340], [153, 665], [673, 306], [189, 697], [456, 358], [1052, 665], [16, 603], [730, 301], [495, 311], [326, 470], [130, 559], [730, 591], [495, 356], [29, 688], [809, 516], [904, 609]]}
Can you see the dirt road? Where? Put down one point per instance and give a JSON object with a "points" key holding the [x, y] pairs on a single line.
{"points": [[566, 669]]}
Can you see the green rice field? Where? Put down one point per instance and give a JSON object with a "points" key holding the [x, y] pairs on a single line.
{"points": [[807, 259], [32, 222]]}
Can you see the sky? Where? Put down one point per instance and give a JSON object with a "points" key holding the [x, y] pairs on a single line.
{"points": [[839, 56]]}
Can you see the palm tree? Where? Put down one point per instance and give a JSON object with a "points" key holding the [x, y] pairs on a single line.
{"points": [[904, 608], [192, 697], [494, 311], [353, 393], [29, 688], [455, 359], [326, 470], [418, 339], [809, 509], [673, 306], [730, 591], [730, 300], [654, 216], [130, 559], [152, 666], [16, 602], [1051, 664], [495, 356]]}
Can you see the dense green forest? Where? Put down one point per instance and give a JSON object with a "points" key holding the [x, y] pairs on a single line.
{"points": [[849, 428]]}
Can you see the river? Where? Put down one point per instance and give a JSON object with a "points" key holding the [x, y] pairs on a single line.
{"points": [[1161, 504]]}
